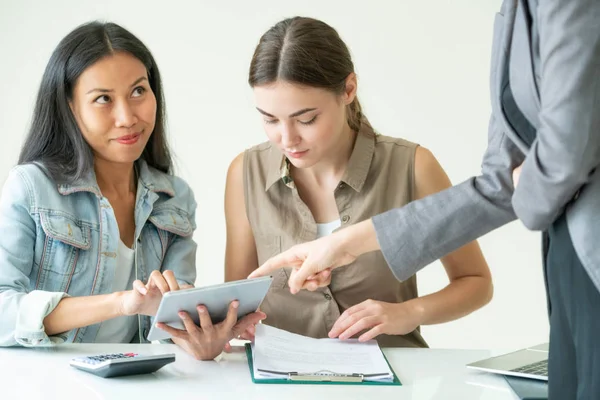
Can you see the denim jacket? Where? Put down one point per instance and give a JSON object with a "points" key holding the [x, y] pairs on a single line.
{"points": [[61, 240]]}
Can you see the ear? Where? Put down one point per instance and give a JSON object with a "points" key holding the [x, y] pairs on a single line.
{"points": [[351, 88]]}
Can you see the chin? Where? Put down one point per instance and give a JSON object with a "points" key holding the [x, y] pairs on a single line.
{"points": [[126, 158], [301, 163], [129, 153]]}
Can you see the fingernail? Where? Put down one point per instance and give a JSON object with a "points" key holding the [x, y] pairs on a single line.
{"points": [[182, 315], [236, 304], [201, 310]]}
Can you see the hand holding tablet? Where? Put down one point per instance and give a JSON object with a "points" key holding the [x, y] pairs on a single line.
{"points": [[215, 300]]}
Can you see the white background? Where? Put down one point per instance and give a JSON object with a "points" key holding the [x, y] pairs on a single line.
{"points": [[423, 75]]}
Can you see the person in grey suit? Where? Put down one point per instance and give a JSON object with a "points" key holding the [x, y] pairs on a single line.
{"points": [[540, 166]]}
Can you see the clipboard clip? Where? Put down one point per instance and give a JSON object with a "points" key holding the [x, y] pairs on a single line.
{"points": [[321, 376], [325, 376]]}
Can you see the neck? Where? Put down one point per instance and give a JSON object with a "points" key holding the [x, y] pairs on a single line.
{"points": [[332, 167], [115, 178]]}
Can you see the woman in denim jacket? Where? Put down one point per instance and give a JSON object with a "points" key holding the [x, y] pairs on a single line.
{"points": [[92, 212]]}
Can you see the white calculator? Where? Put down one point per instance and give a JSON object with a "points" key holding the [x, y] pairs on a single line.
{"points": [[121, 364]]}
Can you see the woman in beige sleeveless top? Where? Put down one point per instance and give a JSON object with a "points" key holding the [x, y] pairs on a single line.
{"points": [[323, 169]]}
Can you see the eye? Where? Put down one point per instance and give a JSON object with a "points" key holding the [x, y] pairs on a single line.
{"points": [[309, 122], [138, 91], [270, 121], [104, 99]]}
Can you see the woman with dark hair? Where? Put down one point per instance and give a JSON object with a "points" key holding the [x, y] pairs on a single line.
{"points": [[322, 170], [92, 211]]}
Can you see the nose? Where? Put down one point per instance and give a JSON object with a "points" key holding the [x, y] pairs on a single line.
{"points": [[289, 136], [124, 115]]}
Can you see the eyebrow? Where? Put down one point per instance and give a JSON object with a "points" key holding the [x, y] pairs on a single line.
{"points": [[292, 115], [138, 80]]}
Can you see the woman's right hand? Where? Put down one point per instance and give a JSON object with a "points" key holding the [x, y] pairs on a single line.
{"points": [[313, 262], [144, 299]]}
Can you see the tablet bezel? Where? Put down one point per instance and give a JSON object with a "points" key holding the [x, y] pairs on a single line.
{"points": [[249, 292]]}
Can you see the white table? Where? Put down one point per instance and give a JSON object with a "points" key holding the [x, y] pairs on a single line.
{"points": [[425, 374]]}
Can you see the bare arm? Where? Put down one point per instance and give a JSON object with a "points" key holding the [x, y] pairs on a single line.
{"points": [[240, 251], [470, 284], [76, 312]]}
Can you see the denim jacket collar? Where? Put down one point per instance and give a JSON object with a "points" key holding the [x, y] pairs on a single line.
{"points": [[152, 180]]}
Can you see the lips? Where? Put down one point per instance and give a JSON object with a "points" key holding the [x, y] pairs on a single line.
{"points": [[297, 154], [129, 139]]}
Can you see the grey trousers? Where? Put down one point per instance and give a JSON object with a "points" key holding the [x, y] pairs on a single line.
{"points": [[574, 310]]}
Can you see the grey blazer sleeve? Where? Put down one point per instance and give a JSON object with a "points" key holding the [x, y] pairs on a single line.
{"points": [[567, 148], [425, 230]]}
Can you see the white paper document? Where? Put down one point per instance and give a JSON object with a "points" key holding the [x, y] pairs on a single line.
{"points": [[278, 353]]}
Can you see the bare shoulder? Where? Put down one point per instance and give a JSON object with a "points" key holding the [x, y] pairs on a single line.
{"points": [[235, 176], [430, 177], [236, 165], [425, 160]]}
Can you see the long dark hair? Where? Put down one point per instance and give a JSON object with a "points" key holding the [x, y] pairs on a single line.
{"points": [[308, 52], [54, 139]]}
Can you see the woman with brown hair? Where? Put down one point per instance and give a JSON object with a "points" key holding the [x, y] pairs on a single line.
{"points": [[323, 169]]}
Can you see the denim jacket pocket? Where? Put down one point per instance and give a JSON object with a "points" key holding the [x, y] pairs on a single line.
{"points": [[172, 220], [66, 236]]}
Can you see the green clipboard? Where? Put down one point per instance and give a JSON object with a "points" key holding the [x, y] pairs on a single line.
{"points": [[313, 381]]}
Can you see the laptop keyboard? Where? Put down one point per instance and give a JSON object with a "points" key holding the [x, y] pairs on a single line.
{"points": [[539, 368]]}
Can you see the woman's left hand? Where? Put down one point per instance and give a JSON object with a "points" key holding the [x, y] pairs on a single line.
{"points": [[207, 341], [377, 317]]}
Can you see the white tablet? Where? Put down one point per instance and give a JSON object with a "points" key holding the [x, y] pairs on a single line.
{"points": [[216, 298]]}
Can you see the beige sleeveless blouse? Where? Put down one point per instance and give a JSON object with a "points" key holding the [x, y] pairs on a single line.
{"points": [[379, 177]]}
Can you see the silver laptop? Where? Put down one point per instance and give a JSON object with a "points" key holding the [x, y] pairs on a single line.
{"points": [[530, 363]]}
